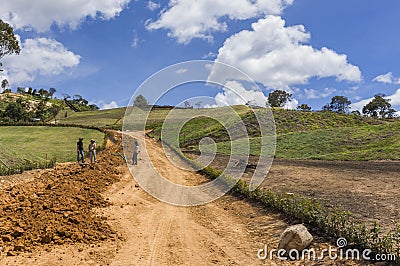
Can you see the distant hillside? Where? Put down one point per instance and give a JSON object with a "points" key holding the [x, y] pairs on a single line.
{"points": [[33, 101], [290, 121], [300, 135], [28, 107], [15, 107], [111, 118], [305, 135], [286, 121]]}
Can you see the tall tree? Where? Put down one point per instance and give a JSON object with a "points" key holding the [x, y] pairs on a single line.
{"points": [[140, 101], [338, 104], [8, 42], [4, 84], [42, 92], [278, 98], [51, 92], [379, 106], [20, 90], [41, 109], [77, 97]]}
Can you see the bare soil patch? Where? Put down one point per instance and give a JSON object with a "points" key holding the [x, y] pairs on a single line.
{"points": [[369, 190], [42, 208]]}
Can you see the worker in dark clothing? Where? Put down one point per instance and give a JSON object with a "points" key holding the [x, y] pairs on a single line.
{"points": [[79, 149]]}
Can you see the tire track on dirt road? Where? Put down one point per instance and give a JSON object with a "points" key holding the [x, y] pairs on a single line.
{"points": [[171, 235]]}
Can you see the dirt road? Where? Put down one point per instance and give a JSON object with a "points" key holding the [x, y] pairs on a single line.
{"points": [[228, 231], [157, 233]]}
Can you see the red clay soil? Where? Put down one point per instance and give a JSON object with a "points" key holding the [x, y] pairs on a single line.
{"points": [[54, 207]]}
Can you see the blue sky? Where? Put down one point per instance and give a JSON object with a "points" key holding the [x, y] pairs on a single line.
{"points": [[104, 49]]}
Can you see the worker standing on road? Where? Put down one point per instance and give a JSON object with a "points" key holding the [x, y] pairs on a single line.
{"points": [[135, 152], [92, 150], [79, 149]]}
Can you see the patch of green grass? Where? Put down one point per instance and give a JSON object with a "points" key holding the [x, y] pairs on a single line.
{"points": [[371, 142], [368, 142], [300, 135], [289, 121], [98, 118], [196, 122], [22, 144]]}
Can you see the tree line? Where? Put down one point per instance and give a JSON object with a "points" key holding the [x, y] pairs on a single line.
{"points": [[379, 106], [43, 93]]}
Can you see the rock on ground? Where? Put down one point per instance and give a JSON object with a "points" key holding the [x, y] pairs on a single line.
{"points": [[295, 237]]}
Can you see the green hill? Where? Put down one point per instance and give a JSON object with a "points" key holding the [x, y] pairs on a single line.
{"points": [[376, 142], [305, 135], [290, 121], [111, 118], [300, 135]]}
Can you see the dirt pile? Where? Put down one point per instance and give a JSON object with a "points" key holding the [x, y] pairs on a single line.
{"points": [[57, 206]]}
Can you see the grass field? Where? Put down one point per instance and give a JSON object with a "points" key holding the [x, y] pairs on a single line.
{"points": [[20, 144], [114, 118], [300, 135], [99, 118], [376, 142], [305, 135]]}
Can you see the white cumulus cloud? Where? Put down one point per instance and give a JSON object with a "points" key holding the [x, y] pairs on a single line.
{"points": [[209, 55], [41, 14], [153, 6], [235, 94], [41, 56], [278, 57], [110, 105], [360, 104], [387, 78], [394, 101], [292, 104], [188, 19], [181, 71], [316, 94]]}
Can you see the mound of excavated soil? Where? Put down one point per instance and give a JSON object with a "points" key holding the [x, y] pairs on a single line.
{"points": [[56, 207]]}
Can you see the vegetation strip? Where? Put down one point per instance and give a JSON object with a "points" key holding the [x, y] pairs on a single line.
{"points": [[334, 222]]}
